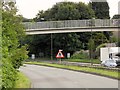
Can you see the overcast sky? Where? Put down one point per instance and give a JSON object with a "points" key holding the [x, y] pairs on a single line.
{"points": [[30, 8]]}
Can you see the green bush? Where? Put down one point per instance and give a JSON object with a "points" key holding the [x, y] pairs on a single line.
{"points": [[97, 52], [13, 53], [80, 55], [8, 74], [19, 56], [100, 46]]}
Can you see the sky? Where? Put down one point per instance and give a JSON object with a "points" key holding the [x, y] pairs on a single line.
{"points": [[30, 8]]}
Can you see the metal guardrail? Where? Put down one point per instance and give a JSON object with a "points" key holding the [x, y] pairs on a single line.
{"points": [[72, 24]]}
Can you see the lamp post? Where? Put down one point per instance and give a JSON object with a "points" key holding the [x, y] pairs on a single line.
{"points": [[51, 47]]}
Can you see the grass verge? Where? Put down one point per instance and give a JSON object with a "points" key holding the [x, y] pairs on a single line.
{"points": [[102, 72], [95, 61], [22, 81]]}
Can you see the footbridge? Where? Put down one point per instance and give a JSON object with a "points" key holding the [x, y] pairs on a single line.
{"points": [[67, 26]]}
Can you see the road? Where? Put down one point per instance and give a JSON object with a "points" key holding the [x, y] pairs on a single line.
{"points": [[48, 77]]}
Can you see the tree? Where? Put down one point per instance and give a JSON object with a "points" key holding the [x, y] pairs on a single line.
{"points": [[39, 16], [85, 11], [38, 44], [91, 46], [0, 44], [13, 53], [117, 16], [115, 37], [42, 43], [26, 20], [84, 38], [99, 38], [69, 42], [101, 9], [66, 11]]}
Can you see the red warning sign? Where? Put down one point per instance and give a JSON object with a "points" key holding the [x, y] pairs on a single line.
{"points": [[59, 55]]}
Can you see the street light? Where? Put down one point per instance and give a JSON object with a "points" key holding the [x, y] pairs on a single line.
{"points": [[51, 47]]}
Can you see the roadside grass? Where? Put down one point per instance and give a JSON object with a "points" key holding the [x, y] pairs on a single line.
{"points": [[38, 59], [22, 81], [93, 70], [94, 61]]}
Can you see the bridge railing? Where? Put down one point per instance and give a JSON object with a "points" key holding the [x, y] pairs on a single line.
{"points": [[72, 24]]}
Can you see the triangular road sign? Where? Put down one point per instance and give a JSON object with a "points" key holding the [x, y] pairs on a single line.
{"points": [[59, 55]]}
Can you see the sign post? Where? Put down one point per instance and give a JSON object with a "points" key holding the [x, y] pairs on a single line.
{"points": [[59, 55], [33, 56], [68, 55]]}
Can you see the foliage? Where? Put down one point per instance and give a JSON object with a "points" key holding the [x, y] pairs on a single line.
{"points": [[96, 40], [113, 39], [38, 44], [12, 51], [117, 16], [81, 55], [98, 49], [85, 11], [68, 42], [91, 46], [84, 38], [0, 45], [99, 38], [66, 11], [19, 56], [101, 9], [100, 46], [8, 74], [41, 43], [118, 42], [22, 81], [26, 20]]}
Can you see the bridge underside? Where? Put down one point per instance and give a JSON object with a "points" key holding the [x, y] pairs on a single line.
{"points": [[69, 30]]}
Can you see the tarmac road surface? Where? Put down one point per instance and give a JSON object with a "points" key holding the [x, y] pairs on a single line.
{"points": [[48, 77]]}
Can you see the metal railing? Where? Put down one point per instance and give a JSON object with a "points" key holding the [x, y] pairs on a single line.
{"points": [[72, 24]]}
